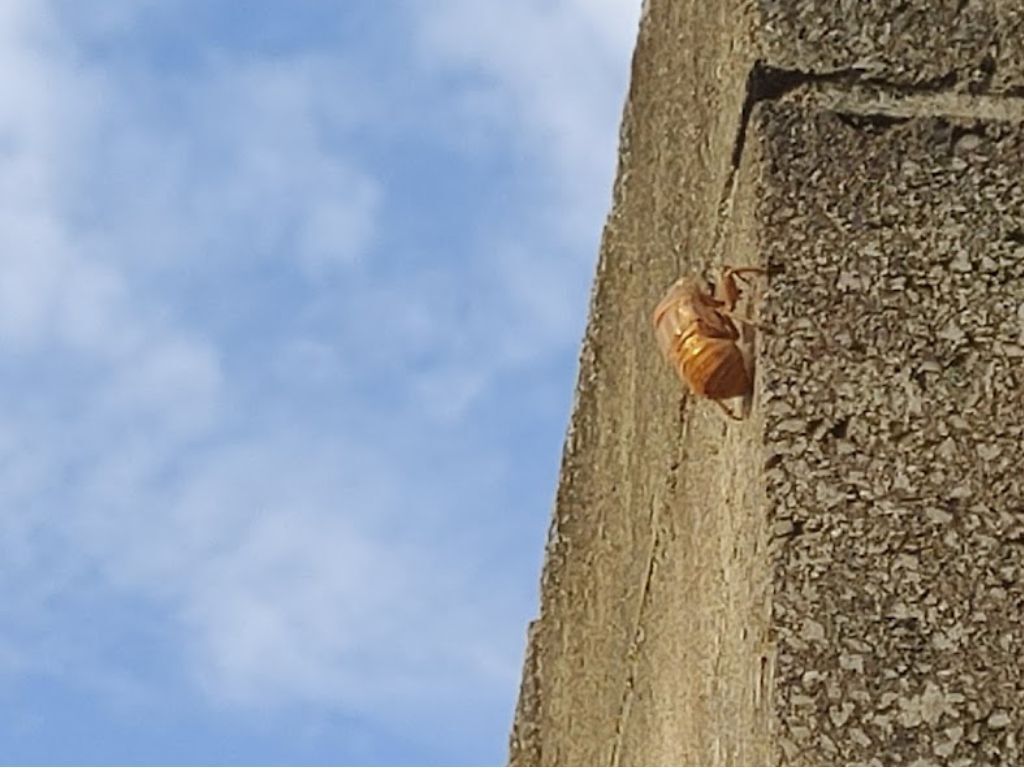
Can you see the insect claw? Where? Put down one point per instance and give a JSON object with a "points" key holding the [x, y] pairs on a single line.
{"points": [[739, 272]]}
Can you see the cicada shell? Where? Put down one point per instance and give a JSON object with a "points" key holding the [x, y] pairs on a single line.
{"points": [[697, 335]]}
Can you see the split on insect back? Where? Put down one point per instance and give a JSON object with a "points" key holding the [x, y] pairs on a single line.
{"points": [[695, 325]]}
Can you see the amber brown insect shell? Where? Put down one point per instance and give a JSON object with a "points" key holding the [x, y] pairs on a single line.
{"points": [[696, 331]]}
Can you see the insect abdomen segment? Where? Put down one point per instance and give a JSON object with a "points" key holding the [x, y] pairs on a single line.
{"points": [[713, 367]]}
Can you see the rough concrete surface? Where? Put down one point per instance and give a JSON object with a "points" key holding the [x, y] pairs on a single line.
{"points": [[838, 578], [894, 413], [966, 45]]}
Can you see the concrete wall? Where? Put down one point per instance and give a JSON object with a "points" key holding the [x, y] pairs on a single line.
{"points": [[838, 578]]}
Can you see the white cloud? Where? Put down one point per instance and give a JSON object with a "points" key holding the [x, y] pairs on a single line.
{"points": [[300, 563], [236, 165], [131, 459], [279, 589], [545, 81], [283, 592], [338, 229], [171, 384], [553, 70], [269, 124]]}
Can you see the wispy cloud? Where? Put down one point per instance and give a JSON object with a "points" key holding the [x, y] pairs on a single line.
{"points": [[108, 205], [545, 82], [232, 168], [545, 77], [238, 391]]}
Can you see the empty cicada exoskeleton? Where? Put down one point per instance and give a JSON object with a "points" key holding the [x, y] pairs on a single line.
{"points": [[698, 336]]}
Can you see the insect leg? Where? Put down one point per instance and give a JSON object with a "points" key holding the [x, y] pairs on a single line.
{"points": [[730, 289], [728, 412], [747, 352], [733, 293], [749, 323], [739, 271]]}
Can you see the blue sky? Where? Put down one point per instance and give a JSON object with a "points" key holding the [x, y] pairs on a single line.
{"points": [[290, 304]]}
